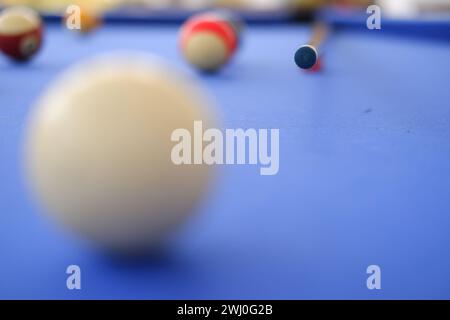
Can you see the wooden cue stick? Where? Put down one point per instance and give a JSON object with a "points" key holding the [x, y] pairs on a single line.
{"points": [[320, 33]]}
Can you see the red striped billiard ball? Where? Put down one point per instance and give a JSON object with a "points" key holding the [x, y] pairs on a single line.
{"points": [[20, 33], [233, 19], [207, 43]]}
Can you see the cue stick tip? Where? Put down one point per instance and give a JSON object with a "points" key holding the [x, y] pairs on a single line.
{"points": [[306, 57]]}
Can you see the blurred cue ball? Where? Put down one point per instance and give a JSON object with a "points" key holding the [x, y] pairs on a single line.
{"points": [[98, 151], [207, 42], [21, 32]]}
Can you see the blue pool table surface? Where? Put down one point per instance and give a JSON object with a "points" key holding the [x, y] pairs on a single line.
{"points": [[364, 176]]}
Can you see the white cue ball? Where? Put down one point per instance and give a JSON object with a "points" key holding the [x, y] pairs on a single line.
{"points": [[98, 151]]}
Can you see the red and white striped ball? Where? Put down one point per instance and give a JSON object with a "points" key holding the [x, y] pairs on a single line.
{"points": [[207, 43], [228, 16], [20, 33]]}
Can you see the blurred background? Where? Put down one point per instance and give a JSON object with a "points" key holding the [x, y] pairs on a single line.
{"points": [[251, 10], [55, 5], [390, 7]]}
